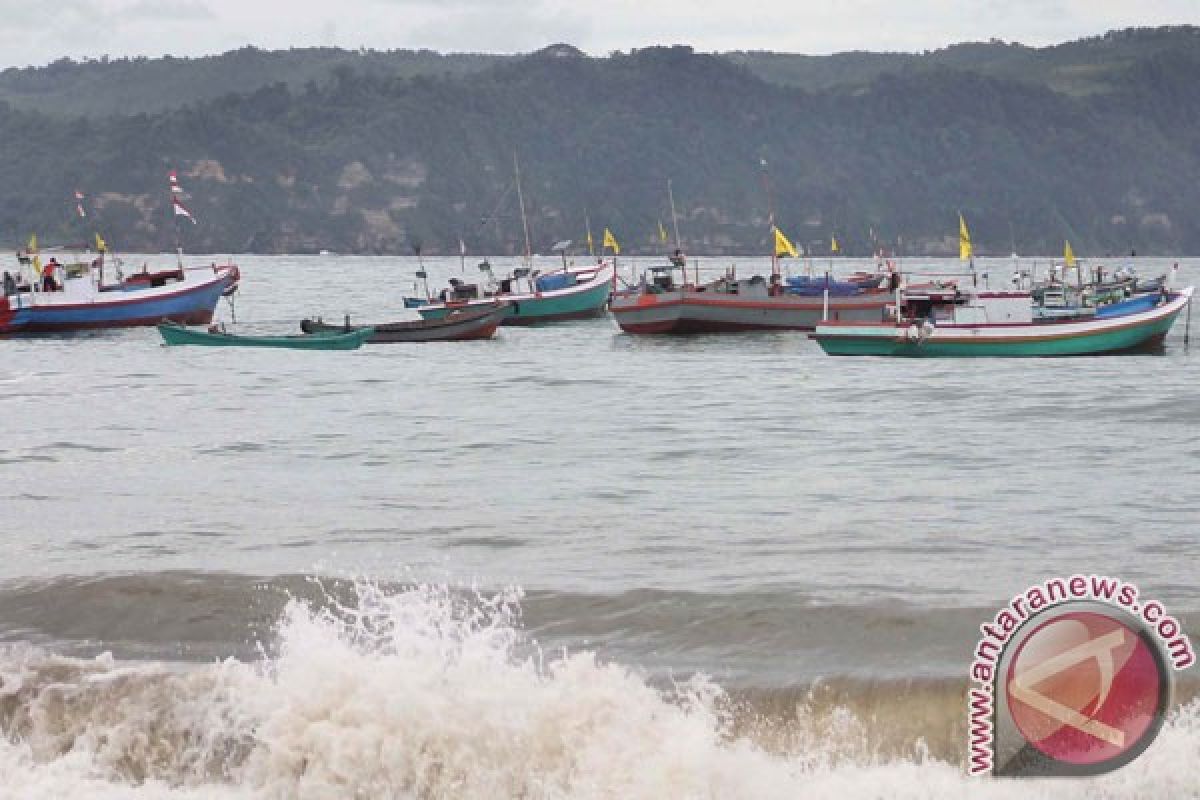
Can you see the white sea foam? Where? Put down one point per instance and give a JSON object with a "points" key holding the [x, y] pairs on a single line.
{"points": [[420, 693]]}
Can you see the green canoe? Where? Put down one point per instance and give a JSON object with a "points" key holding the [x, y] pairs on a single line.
{"points": [[177, 335]]}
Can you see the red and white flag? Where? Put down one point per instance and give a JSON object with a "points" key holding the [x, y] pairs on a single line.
{"points": [[79, 203], [181, 210], [173, 177]]}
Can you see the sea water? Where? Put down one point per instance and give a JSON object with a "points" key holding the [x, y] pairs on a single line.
{"points": [[563, 563]]}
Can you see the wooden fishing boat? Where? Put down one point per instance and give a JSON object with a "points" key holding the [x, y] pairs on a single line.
{"points": [[84, 295], [83, 301], [946, 322], [665, 302], [174, 334], [456, 326], [533, 298]]}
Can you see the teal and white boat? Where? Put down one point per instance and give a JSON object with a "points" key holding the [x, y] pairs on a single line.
{"points": [[944, 322], [534, 298]]}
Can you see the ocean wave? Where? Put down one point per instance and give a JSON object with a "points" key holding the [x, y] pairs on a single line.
{"points": [[427, 692], [766, 638]]}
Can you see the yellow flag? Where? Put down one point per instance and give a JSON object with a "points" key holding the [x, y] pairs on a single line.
{"points": [[833, 245], [964, 240], [1068, 255], [782, 246], [662, 232], [611, 242], [101, 245], [37, 259]]}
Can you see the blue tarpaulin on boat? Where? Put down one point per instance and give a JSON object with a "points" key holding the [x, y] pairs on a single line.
{"points": [[809, 287], [559, 280], [1141, 302]]}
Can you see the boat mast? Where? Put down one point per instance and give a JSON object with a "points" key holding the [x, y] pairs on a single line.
{"points": [[770, 215], [674, 216], [521, 202], [678, 241]]}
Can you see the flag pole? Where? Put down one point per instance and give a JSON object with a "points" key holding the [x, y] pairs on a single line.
{"points": [[175, 190], [81, 213]]}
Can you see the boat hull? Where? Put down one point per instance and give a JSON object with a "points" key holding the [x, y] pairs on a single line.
{"points": [[1126, 333], [583, 301], [688, 311], [191, 302], [458, 327]]}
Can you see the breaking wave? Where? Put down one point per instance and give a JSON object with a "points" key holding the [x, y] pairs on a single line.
{"points": [[424, 692]]}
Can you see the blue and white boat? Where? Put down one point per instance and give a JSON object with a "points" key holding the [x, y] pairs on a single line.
{"points": [[80, 299]]}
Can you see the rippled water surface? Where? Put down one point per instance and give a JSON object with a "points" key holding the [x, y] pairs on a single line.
{"points": [[577, 458], [743, 506]]}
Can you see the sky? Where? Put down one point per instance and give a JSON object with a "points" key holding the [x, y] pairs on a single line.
{"points": [[37, 32]]}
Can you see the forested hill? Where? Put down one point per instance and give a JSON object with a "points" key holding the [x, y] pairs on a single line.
{"points": [[103, 87], [131, 85], [1085, 66], [379, 160]]}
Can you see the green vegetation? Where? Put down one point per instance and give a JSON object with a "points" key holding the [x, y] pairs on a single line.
{"points": [[377, 152]]}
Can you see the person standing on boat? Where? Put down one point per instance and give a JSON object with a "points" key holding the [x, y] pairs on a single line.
{"points": [[49, 282], [10, 284]]}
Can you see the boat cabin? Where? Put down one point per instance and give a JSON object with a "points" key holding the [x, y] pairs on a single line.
{"points": [[754, 287], [947, 305], [460, 291], [657, 280]]}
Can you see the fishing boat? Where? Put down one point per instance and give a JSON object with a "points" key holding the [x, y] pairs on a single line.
{"points": [[1102, 295], [943, 321], [93, 293], [174, 334], [83, 300], [533, 297], [457, 326], [665, 301]]}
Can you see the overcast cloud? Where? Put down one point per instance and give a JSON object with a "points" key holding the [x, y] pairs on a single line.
{"points": [[37, 32]]}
